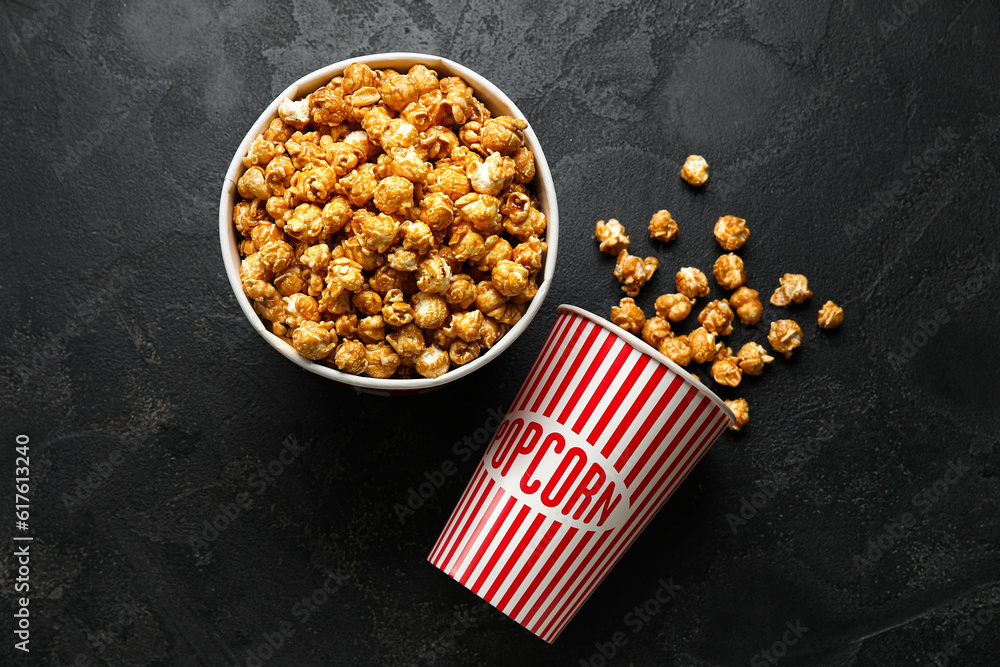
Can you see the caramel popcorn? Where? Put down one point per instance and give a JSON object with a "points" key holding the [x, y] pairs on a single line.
{"points": [[729, 272], [371, 329], [725, 369], [503, 134], [794, 287], [703, 345], [529, 254], [612, 236], [277, 255], [695, 170], [691, 282], [785, 336], [634, 272], [433, 275], [741, 411], [491, 331], [387, 225], [396, 312], [752, 358], [462, 352], [429, 310], [393, 195], [407, 341], [747, 304], [731, 232], [314, 340], [717, 317], [461, 291], [674, 307], [677, 349], [432, 362], [656, 330], [494, 174], [510, 278], [830, 315], [382, 360], [628, 316], [253, 184], [351, 357], [662, 227], [468, 325]]}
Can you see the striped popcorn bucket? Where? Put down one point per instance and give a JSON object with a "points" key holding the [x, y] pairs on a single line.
{"points": [[602, 431]]}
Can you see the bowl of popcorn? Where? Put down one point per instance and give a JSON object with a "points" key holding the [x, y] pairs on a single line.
{"points": [[390, 222]]}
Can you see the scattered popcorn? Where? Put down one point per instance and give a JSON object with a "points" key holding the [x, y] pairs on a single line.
{"points": [[628, 316], [785, 336], [729, 272], [830, 315], [752, 358], [656, 330], [695, 170], [691, 282], [367, 208], [731, 232], [741, 411], [677, 349], [634, 272], [612, 236], [662, 227], [794, 287], [726, 369], [703, 345], [717, 317], [674, 307], [747, 303]]}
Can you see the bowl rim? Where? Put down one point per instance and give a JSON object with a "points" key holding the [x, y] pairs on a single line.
{"points": [[544, 187]]}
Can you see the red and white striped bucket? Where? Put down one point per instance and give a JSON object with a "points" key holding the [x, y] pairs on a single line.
{"points": [[602, 431]]}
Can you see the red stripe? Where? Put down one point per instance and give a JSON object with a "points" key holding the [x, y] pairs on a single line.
{"points": [[566, 349], [651, 385], [532, 559], [602, 388], [509, 565], [549, 341], [651, 510], [449, 526], [620, 397], [571, 374], [484, 518], [685, 435], [596, 562], [555, 339], [584, 384], [568, 581], [553, 363], [654, 415], [501, 548], [473, 513], [460, 511], [488, 542], [634, 527], [546, 593], [651, 448]]}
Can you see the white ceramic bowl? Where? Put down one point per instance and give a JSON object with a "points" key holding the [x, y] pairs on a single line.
{"points": [[498, 104]]}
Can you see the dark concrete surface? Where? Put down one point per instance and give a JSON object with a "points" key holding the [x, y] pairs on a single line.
{"points": [[859, 139]]}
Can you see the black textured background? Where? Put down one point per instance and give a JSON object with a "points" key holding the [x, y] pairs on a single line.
{"points": [[859, 139]]}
